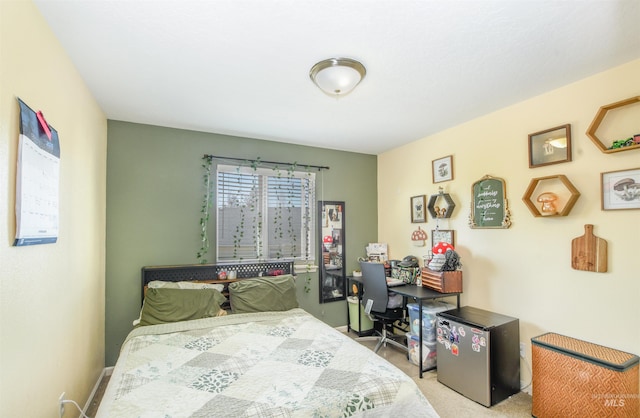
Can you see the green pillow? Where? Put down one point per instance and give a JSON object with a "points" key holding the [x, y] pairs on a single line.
{"points": [[263, 294], [164, 305]]}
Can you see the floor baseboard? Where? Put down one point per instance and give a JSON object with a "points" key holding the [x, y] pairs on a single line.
{"points": [[107, 371]]}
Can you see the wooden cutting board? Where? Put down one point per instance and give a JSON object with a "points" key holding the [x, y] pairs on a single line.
{"points": [[588, 252]]}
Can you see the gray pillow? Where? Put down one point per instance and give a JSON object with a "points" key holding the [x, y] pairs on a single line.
{"points": [[162, 305], [263, 294]]}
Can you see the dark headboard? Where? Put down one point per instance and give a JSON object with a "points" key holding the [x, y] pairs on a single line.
{"points": [[209, 272]]}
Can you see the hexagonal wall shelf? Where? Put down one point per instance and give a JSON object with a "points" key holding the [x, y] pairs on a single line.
{"points": [[441, 212], [597, 120], [559, 184]]}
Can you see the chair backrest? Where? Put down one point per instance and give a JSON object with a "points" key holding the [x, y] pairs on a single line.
{"points": [[375, 286]]}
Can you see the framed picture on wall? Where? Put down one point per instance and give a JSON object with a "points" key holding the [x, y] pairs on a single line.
{"points": [[418, 209], [442, 235], [551, 146], [620, 189], [442, 169]]}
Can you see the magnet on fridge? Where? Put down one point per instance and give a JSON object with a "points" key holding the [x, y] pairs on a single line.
{"points": [[453, 337]]}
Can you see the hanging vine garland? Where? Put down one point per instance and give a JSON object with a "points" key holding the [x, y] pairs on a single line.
{"points": [[204, 211], [277, 219], [242, 204], [290, 231], [307, 236], [257, 215]]}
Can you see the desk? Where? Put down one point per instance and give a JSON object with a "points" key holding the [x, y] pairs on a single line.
{"points": [[420, 294], [407, 291]]}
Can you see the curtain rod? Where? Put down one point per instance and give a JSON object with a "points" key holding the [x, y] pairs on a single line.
{"points": [[319, 167]]}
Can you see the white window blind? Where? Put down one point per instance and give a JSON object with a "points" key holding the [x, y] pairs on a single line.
{"points": [[264, 214]]}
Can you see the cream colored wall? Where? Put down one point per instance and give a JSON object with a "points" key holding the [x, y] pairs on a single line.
{"points": [[525, 271], [51, 296]]}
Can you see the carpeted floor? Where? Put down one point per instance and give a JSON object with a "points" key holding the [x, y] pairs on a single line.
{"points": [[447, 402]]}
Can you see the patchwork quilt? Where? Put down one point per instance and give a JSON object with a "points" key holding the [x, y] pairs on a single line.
{"points": [[269, 364]]}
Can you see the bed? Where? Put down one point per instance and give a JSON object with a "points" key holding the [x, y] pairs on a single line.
{"points": [[261, 357]]}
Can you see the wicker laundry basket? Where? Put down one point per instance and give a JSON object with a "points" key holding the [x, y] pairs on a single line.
{"points": [[574, 378]]}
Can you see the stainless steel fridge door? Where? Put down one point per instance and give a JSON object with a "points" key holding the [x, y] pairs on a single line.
{"points": [[464, 360]]}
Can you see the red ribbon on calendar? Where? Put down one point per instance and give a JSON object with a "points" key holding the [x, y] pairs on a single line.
{"points": [[44, 124]]}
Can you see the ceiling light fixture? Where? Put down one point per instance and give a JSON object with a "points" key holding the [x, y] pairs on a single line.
{"points": [[337, 76]]}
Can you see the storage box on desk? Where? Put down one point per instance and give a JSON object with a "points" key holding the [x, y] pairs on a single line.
{"points": [[442, 281], [574, 378]]}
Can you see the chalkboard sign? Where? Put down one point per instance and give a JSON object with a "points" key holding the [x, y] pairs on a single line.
{"points": [[489, 207]]}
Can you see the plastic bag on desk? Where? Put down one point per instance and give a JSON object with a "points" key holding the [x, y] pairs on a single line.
{"points": [[395, 301]]}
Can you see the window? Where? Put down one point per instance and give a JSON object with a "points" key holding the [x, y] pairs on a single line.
{"points": [[264, 214]]}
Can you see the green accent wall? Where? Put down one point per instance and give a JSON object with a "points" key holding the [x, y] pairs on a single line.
{"points": [[154, 196]]}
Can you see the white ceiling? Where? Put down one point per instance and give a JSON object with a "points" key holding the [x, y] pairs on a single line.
{"points": [[241, 67]]}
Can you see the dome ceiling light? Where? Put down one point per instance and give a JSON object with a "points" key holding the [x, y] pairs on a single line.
{"points": [[337, 76]]}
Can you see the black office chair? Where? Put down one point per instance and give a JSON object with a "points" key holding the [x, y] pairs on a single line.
{"points": [[376, 293]]}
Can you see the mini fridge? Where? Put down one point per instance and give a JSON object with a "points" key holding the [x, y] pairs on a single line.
{"points": [[478, 354]]}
